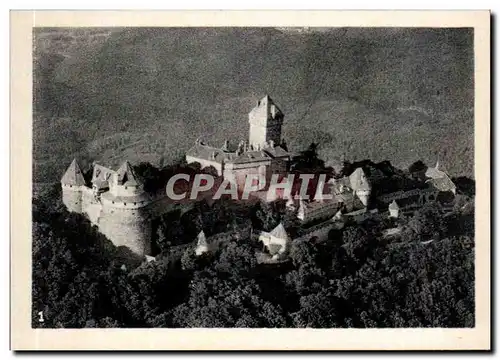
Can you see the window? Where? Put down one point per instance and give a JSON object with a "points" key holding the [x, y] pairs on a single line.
{"points": [[125, 188], [125, 204]]}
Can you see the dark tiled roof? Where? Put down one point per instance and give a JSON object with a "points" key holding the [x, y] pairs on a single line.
{"points": [[443, 184], [206, 152], [210, 153], [274, 248], [277, 152], [73, 176], [251, 156]]}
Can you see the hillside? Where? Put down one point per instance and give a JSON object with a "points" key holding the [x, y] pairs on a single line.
{"points": [[145, 94]]}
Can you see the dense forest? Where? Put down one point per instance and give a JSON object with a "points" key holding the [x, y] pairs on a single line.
{"points": [[359, 278]]}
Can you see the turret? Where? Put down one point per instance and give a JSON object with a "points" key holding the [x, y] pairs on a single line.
{"points": [[393, 209], [360, 185], [72, 183], [201, 244], [301, 213], [265, 121], [125, 182]]}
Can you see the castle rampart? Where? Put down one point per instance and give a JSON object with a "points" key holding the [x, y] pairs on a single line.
{"points": [[125, 227], [72, 197]]}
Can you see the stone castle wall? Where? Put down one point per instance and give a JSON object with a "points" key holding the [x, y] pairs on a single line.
{"points": [[125, 227], [127, 224], [72, 198]]}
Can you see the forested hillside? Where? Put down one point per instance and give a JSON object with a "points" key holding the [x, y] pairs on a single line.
{"points": [[145, 94], [359, 278]]}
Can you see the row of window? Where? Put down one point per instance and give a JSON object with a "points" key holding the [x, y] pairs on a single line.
{"points": [[141, 202]]}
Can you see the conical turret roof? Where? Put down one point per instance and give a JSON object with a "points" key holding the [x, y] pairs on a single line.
{"points": [[393, 205], [73, 175], [202, 239], [359, 180], [279, 232], [126, 175]]}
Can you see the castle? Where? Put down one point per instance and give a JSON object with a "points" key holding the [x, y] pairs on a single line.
{"points": [[116, 202], [264, 154]]}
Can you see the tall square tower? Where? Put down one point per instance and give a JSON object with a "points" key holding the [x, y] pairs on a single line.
{"points": [[265, 121]]}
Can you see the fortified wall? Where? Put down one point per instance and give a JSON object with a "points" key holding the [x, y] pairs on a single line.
{"points": [[116, 203]]}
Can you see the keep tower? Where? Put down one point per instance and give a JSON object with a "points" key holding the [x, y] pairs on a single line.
{"points": [[265, 121]]}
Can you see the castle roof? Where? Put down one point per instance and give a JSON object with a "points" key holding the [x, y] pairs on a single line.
{"points": [[73, 175], [251, 156], [279, 232], [126, 175], [434, 173], [359, 181], [210, 153], [393, 205], [316, 205], [206, 152], [101, 174], [101, 184], [443, 184], [277, 152], [268, 105], [202, 239], [439, 179]]}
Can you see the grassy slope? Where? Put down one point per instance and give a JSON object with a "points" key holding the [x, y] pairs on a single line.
{"points": [[144, 94]]}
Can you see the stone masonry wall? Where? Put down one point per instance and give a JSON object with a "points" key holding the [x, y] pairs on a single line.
{"points": [[131, 228], [72, 199]]}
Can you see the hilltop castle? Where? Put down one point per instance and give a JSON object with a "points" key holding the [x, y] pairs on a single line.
{"points": [[265, 153], [115, 200]]}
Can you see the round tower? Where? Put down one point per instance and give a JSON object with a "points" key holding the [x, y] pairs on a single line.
{"points": [[72, 184], [125, 183], [125, 217]]}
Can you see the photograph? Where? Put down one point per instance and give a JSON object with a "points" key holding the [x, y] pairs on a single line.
{"points": [[255, 177]]}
